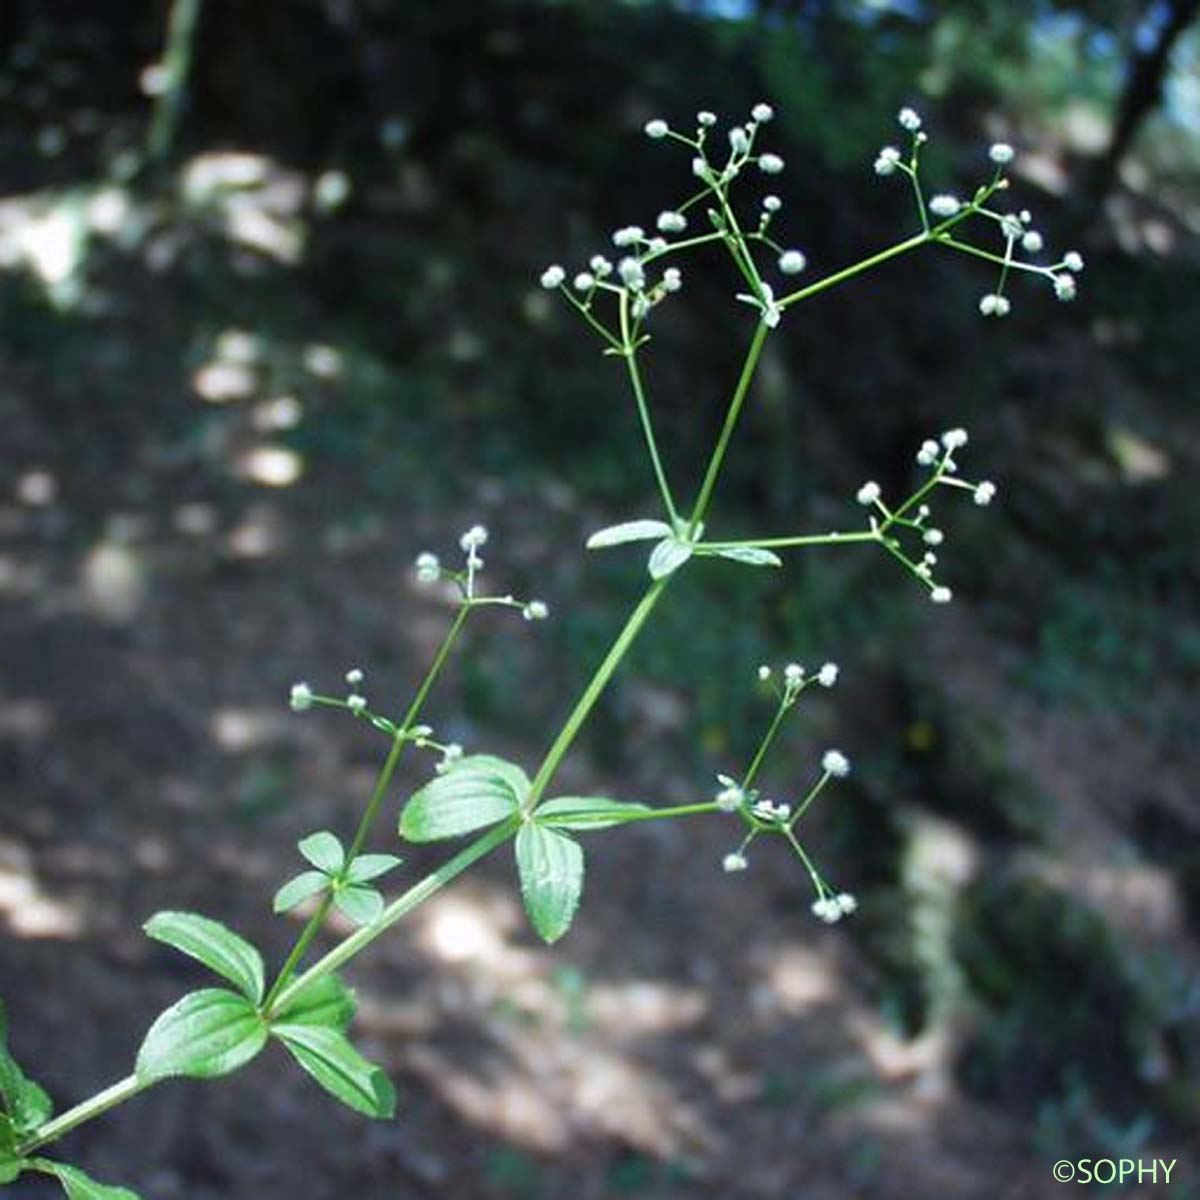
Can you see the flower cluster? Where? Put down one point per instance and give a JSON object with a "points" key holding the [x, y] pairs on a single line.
{"points": [[913, 516], [941, 214], [429, 570]]}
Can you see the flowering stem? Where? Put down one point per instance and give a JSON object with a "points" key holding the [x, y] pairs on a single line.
{"points": [[763, 746], [604, 819], [857, 269], [784, 543], [629, 353], [731, 417], [382, 782]]}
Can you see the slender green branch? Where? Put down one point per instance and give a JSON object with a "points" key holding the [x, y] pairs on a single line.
{"points": [[650, 814], [94, 1106], [761, 753], [785, 543], [398, 908], [857, 269]]}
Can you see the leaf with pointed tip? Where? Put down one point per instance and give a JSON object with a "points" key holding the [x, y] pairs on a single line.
{"points": [[628, 531], [324, 851], [338, 1067], [751, 556], [585, 812], [208, 1033], [10, 1167], [359, 903], [24, 1101], [209, 942], [371, 866], [77, 1184], [299, 888], [477, 791], [550, 866], [327, 1001], [668, 556]]}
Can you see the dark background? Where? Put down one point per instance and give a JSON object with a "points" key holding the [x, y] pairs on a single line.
{"points": [[263, 339]]}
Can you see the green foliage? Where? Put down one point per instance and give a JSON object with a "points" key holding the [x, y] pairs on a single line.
{"points": [[218, 948], [472, 794], [326, 1002], [587, 812], [550, 866], [668, 556], [77, 1184], [26, 1105], [324, 850], [298, 889], [333, 1062], [206, 1034]]}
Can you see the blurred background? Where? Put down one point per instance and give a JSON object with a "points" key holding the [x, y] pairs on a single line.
{"points": [[270, 325]]}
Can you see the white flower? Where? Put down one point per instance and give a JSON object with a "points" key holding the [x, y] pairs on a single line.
{"points": [[952, 439], [929, 452], [941, 595], [600, 265], [734, 862], [846, 903], [994, 305], [699, 167], [792, 262], [887, 161], [475, 537], [354, 676], [827, 675], [768, 810], [1073, 261], [793, 675], [731, 797], [764, 673], [828, 910], [739, 140], [933, 537], [772, 203], [535, 610], [301, 697], [671, 221], [762, 112], [356, 703], [429, 569], [553, 276], [672, 280], [1011, 226], [944, 205], [706, 118], [1001, 153], [1064, 286], [984, 492], [632, 274], [869, 492], [770, 164], [909, 119], [1032, 242], [628, 235], [657, 128], [835, 763], [640, 306], [584, 281]]}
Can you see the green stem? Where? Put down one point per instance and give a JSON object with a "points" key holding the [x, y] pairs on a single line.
{"points": [[652, 814], [101, 1102], [764, 746], [595, 687], [731, 418], [400, 907], [857, 269], [812, 539], [382, 782], [177, 62], [629, 353]]}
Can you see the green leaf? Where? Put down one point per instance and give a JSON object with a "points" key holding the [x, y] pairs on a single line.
{"points": [[752, 556], [371, 866], [324, 851], [550, 865], [209, 942], [585, 812], [359, 903], [11, 1167], [628, 531], [299, 888], [24, 1101], [339, 1068], [207, 1033], [477, 791], [327, 1001], [78, 1185], [668, 556]]}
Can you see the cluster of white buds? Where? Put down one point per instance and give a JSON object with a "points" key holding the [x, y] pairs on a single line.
{"points": [[428, 567], [451, 753], [301, 697], [835, 763], [732, 795], [535, 610], [734, 862], [356, 702], [768, 810], [832, 909]]}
